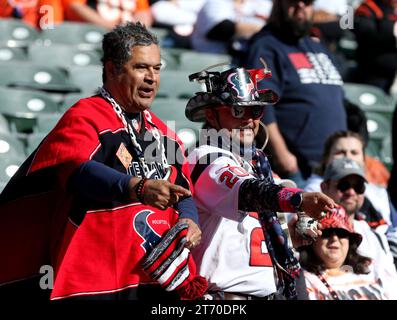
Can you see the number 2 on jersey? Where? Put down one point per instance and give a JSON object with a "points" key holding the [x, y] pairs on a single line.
{"points": [[258, 258]]}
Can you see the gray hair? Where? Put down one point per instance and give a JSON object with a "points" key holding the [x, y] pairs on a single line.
{"points": [[118, 43]]}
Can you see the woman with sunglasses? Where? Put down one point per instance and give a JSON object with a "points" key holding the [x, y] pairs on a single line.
{"points": [[333, 268], [235, 193]]}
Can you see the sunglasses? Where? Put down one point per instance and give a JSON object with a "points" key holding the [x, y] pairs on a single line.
{"points": [[239, 112], [340, 233], [344, 185]]}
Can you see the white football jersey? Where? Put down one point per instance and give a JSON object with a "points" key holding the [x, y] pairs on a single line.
{"points": [[232, 255]]}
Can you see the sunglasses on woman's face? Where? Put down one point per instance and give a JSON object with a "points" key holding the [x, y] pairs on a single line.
{"points": [[358, 186], [239, 112], [340, 233]]}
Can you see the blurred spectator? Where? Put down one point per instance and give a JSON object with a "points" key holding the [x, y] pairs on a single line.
{"points": [[31, 12], [108, 13], [376, 30], [310, 88], [326, 21], [392, 187], [351, 145], [180, 14], [220, 23], [344, 182], [334, 270]]}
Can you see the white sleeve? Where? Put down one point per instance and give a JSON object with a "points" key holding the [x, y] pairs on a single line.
{"points": [[216, 189]]}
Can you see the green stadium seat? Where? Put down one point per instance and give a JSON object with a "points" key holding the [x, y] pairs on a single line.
{"points": [[373, 148], [369, 98], [64, 56], [88, 78], [71, 99], [30, 76], [161, 34], [11, 146], [15, 33], [4, 128], [379, 127], [170, 59], [175, 84], [84, 35], [172, 112], [21, 107], [197, 61], [12, 54], [46, 122], [8, 167], [33, 140], [386, 155]]}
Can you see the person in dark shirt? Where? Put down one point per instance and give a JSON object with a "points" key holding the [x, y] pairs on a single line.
{"points": [[376, 30], [308, 83]]}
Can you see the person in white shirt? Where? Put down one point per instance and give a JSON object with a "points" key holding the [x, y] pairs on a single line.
{"points": [[334, 268], [344, 181], [221, 21], [242, 244]]}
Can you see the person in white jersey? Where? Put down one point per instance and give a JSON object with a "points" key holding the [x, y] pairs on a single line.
{"points": [[244, 253]]}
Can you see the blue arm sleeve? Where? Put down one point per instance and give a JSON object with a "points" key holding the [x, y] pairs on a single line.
{"points": [[187, 209], [97, 181]]}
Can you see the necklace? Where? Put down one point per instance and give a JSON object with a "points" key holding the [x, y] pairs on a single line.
{"points": [[334, 295], [137, 147]]}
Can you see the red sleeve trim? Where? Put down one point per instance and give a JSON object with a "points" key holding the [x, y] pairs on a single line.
{"points": [[284, 199]]}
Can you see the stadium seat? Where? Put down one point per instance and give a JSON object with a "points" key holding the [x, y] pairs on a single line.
{"points": [[197, 61], [33, 140], [369, 98], [172, 112], [88, 78], [175, 84], [30, 76], [12, 54], [11, 146], [4, 128], [386, 152], [8, 167], [161, 34], [46, 122], [170, 59], [83, 35], [15, 33], [21, 107], [71, 99], [379, 127], [348, 45], [64, 56]]}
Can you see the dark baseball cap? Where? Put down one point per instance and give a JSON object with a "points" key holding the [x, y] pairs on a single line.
{"points": [[343, 167]]}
